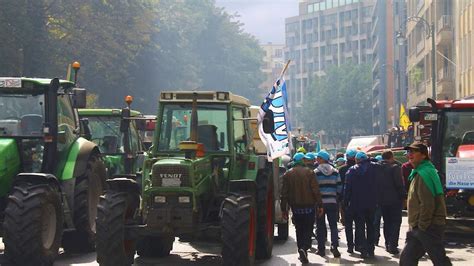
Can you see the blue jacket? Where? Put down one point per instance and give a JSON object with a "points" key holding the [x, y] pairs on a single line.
{"points": [[360, 190]]}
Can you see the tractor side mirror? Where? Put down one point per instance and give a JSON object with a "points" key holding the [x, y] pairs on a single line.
{"points": [[414, 114], [125, 122], [268, 122], [79, 98]]}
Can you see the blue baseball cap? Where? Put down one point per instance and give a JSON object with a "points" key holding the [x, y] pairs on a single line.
{"points": [[310, 156], [361, 156], [378, 157], [298, 157], [340, 159], [351, 153], [323, 155]]}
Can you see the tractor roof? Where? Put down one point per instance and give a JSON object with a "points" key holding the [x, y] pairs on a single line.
{"points": [[467, 103], [203, 96], [104, 112], [16, 83]]}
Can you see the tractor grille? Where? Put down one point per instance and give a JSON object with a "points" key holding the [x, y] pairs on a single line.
{"points": [[170, 171]]}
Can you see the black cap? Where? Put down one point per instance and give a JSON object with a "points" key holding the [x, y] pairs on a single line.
{"points": [[418, 146]]}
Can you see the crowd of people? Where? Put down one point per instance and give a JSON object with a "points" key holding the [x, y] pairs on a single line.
{"points": [[358, 191]]}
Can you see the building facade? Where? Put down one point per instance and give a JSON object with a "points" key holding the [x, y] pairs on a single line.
{"points": [[389, 61], [325, 33], [464, 12], [439, 14], [273, 62]]}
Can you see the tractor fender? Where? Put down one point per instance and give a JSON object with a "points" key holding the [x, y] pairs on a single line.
{"points": [[85, 150], [125, 183], [243, 186], [36, 178]]}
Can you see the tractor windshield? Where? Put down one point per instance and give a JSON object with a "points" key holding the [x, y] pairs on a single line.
{"points": [[458, 130], [105, 132], [21, 114], [176, 126]]}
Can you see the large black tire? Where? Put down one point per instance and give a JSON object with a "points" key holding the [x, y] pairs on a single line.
{"points": [[115, 211], [155, 246], [283, 231], [239, 226], [33, 224], [266, 215], [86, 198]]}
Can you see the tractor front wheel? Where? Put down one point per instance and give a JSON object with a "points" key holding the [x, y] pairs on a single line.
{"points": [[115, 211], [239, 230], [33, 224]]}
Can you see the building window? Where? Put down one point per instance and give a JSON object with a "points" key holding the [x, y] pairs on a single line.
{"points": [[310, 8]]}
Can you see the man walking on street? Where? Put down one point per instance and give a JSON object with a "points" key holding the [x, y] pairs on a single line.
{"points": [[347, 219], [426, 211], [301, 192], [360, 197], [331, 187], [390, 195]]}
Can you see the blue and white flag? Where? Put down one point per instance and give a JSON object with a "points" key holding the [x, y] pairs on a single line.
{"points": [[278, 142]]}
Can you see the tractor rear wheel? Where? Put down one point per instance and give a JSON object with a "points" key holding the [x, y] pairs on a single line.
{"points": [[86, 198], [266, 217], [239, 230], [155, 246], [115, 211], [33, 224]]}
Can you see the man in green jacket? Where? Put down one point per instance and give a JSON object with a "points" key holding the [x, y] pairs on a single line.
{"points": [[426, 211]]}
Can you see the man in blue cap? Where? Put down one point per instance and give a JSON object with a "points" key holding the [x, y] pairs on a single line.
{"points": [[309, 160], [331, 188], [300, 191], [360, 199], [347, 219]]}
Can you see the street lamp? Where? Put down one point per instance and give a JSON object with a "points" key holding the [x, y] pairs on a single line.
{"points": [[429, 32]]}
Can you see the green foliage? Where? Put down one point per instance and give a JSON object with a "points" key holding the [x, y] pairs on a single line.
{"points": [[339, 102], [138, 47]]}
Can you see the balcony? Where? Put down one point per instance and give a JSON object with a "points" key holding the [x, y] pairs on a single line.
{"points": [[445, 82], [444, 31]]}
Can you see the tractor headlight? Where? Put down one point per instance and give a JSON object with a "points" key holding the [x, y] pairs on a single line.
{"points": [[471, 200], [160, 199], [184, 199]]}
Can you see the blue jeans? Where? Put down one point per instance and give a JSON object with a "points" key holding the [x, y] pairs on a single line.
{"points": [[331, 211]]}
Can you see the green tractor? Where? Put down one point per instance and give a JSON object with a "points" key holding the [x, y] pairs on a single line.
{"points": [[201, 180], [117, 134], [50, 177]]}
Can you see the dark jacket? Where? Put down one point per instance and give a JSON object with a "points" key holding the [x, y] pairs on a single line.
{"points": [[390, 190], [359, 193], [424, 209], [342, 172], [300, 189]]}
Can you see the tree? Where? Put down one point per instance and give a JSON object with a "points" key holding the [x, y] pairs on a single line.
{"points": [[339, 102]]}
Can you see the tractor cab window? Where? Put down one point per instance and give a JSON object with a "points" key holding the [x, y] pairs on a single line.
{"points": [[211, 129], [458, 132], [66, 122], [105, 132], [21, 114], [240, 139]]}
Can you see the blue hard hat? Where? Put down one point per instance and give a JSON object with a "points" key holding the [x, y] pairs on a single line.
{"points": [[351, 153], [323, 155], [298, 157], [378, 157], [310, 156], [361, 156]]}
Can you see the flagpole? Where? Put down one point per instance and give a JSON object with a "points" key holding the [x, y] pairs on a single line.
{"points": [[284, 70]]}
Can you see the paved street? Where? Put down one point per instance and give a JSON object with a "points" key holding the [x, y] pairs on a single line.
{"points": [[284, 253]]}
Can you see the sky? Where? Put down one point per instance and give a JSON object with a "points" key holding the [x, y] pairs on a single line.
{"points": [[263, 18]]}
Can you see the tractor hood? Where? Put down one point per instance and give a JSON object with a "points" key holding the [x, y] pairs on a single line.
{"points": [[9, 164], [179, 172]]}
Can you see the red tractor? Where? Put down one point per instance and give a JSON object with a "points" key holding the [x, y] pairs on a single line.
{"points": [[447, 126]]}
